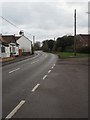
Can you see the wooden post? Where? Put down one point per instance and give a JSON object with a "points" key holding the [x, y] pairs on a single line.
{"points": [[75, 33]]}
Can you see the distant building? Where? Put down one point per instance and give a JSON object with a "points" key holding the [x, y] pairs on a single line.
{"points": [[83, 40]]}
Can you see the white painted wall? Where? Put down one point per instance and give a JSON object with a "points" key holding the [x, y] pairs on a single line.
{"points": [[17, 50], [15, 47], [6, 53], [0, 50], [24, 44]]}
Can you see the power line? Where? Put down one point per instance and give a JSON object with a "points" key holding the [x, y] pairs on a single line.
{"points": [[10, 22], [14, 25]]}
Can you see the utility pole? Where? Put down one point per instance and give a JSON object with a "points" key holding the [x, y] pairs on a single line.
{"points": [[33, 40], [33, 43], [75, 32]]}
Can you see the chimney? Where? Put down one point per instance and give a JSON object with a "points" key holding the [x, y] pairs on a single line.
{"points": [[21, 32]]}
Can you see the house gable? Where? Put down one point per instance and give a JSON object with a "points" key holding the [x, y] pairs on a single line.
{"points": [[25, 44]]}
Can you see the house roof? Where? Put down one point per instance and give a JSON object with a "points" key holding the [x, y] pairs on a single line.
{"points": [[24, 37], [84, 36], [83, 40], [7, 39]]}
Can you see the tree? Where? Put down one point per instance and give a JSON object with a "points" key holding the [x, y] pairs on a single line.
{"points": [[48, 45], [63, 42], [37, 45], [45, 46]]}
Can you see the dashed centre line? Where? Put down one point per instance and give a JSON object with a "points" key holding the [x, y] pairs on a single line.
{"points": [[14, 70], [49, 71], [15, 109], [35, 87], [52, 67], [23, 101], [44, 77]]}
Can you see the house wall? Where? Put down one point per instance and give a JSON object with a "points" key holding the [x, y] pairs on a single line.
{"points": [[6, 53], [0, 50], [14, 49], [24, 44], [17, 50]]}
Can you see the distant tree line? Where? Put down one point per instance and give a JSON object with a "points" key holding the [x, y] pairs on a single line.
{"points": [[62, 44], [37, 46]]}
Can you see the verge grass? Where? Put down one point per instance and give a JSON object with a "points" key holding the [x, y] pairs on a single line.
{"points": [[63, 55]]}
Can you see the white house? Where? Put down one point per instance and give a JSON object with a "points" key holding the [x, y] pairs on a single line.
{"points": [[12, 45], [25, 45], [8, 46]]}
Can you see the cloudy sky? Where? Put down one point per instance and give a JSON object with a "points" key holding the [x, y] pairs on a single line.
{"points": [[44, 19]]}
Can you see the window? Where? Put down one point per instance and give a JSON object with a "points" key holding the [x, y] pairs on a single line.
{"points": [[13, 49], [3, 49]]}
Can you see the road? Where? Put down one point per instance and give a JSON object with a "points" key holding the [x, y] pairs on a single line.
{"points": [[46, 87], [21, 77]]}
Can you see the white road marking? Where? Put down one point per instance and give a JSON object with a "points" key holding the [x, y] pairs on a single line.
{"points": [[54, 64], [44, 77], [15, 109], [52, 67], [34, 62], [35, 87], [49, 71], [14, 70]]}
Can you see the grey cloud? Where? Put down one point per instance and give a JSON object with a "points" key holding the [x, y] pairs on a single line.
{"points": [[45, 19]]}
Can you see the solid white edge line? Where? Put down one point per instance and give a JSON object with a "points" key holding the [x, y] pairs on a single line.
{"points": [[35, 87], [49, 71], [44, 77], [15, 109], [14, 70]]}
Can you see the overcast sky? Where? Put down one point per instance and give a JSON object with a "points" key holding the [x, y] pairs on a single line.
{"points": [[46, 19]]}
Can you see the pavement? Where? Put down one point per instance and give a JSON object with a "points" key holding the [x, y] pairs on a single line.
{"points": [[11, 60], [46, 87]]}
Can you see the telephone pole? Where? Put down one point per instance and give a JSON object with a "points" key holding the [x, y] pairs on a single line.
{"points": [[33, 40], [75, 32], [33, 43]]}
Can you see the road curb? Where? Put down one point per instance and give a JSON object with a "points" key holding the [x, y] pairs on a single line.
{"points": [[17, 60]]}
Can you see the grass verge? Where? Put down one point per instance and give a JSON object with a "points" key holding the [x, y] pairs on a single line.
{"points": [[64, 55]]}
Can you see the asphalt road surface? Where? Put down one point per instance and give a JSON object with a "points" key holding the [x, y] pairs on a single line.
{"points": [[45, 87], [21, 77]]}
